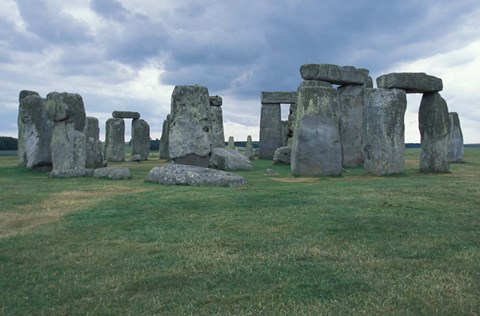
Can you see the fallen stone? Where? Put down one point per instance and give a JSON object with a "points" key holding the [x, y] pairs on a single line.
{"points": [[271, 173], [411, 82], [135, 158], [114, 173], [229, 160], [346, 75], [176, 174], [68, 173], [126, 114], [282, 155], [455, 152]]}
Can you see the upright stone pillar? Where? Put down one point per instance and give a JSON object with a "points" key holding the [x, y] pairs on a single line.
{"points": [[163, 146], [455, 152], [190, 140], [114, 140], [384, 131], [316, 148], [433, 123], [270, 130], [218, 136], [67, 147], [351, 124], [93, 155], [34, 131], [249, 148], [140, 138], [231, 142]]}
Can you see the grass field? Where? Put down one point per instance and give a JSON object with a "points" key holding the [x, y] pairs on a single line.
{"points": [[355, 244]]}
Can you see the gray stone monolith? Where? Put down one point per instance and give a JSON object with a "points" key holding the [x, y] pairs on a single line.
{"points": [[114, 149], [93, 146], [140, 138], [433, 122], [351, 124], [34, 131], [163, 146], [190, 140], [218, 136], [455, 152], [271, 136], [68, 146], [316, 148], [113, 173], [411, 82], [229, 159], [126, 114], [231, 143], [249, 152], [343, 75], [384, 131]]}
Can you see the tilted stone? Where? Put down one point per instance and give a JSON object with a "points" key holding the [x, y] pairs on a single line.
{"points": [[411, 82], [455, 152], [215, 100], [126, 114], [229, 160], [271, 136], [113, 173], [384, 131], [334, 74], [177, 174], [190, 138], [433, 122], [34, 132], [68, 144], [140, 138], [163, 146], [94, 156], [218, 136], [316, 148], [351, 124], [114, 149], [274, 97], [282, 155]]}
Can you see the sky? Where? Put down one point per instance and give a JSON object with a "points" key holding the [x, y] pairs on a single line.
{"points": [[129, 54]]}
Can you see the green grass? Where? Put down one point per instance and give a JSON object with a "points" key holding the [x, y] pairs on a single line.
{"points": [[355, 244]]}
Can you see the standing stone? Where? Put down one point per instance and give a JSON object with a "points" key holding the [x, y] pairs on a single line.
{"points": [[384, 131], [163, 147], [316, 148], [140, 138], [455, 152], [114, 140], [218, 136], [285, 132], [249, 153], [270, 130], [231, 143], [67, 147], [34, 131], [190, 140], [93, 154], [351, 124], [433, 123], [292, 114]]}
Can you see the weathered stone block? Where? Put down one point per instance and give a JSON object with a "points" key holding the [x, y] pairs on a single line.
{"points": [[270, 130], [282, 155], [346, 75], [455, 152], [384, 131], [94, 156], [218, 136], [113, 173], [316, 148], [249, 152], [433, 122], [215, 100], [229, 160], [163, 146], [274, 97], [140, 138], [411, 82], [114, 140], [126, 115], [231, 143]]}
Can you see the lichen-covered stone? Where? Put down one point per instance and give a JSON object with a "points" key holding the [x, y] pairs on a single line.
{"points": [[126, 115], [190, 140], [34, 131], [275, 97], [384, 131], [282, 155], [455, 152], [114, 173], [316, 148], [114, 149], [229, 160], [271, 136], [411, 82], [218, 136], [249, 152], [140, 138], [93, 155], [334, 74], [215, 100], [433, 122], [163, 146], [231, 143], [177, 174]]}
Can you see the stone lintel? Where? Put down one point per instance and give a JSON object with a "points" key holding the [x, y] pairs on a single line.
{"points": [[215, 100], [275, 97], [341, 75], [126, 114], [410, 82]]}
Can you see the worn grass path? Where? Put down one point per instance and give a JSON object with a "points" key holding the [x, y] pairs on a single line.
{"points": [[356, 244]]}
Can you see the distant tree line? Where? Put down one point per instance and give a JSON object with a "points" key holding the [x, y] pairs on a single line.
{"points": [[8, 143]]}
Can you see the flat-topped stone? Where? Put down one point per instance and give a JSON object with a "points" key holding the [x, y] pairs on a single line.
{"points": [[274, 97], [126, 114], [411, 82], [334, 74], [215, 100], [113, 173], [177, 174], [229, 159]]}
